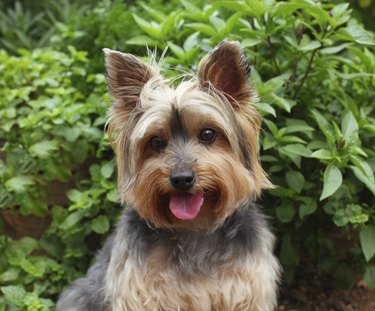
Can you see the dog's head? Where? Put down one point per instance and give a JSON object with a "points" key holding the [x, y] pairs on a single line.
{"points": [[186, 155]]}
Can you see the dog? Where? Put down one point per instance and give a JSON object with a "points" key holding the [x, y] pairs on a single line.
{"points": [[191, 237]]}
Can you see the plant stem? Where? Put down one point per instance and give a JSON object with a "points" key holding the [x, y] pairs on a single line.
{"points": [[299, 88], [293, 76], [305, 75], [273, 55]]}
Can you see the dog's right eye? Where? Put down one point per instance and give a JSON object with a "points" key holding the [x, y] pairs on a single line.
{"points": [[158, 144], [207, 136]]}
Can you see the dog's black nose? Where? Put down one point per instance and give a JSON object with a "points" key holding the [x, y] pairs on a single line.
{"points": [[182, 180]]}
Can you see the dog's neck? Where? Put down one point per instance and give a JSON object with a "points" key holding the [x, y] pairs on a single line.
{"points": [[194, 252]]}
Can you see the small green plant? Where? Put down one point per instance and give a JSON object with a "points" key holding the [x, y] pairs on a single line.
{"points": [[32, 25], [51, 125]]}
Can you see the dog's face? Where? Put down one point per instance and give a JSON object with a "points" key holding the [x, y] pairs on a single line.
{"points": [[187, 156]]}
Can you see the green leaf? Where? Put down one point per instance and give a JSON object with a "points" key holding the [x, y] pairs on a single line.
{"points": [[238, 6], [364, 178], [349, 126], [191, 42], [95, 172], [332, 181], [295, 180], [295, 125], [19, 184], [324, 126], [359, 151], [269, 142], [355, 214], [179, 52], [335, 49], [315, 10], [9, 275], [100, 224], [255, 7], [307, 209], [313, 45], [203, 28], [248, 42], [369, 276], [74, 195], [340, 9], [275, 84], [285, 213], [43, 149], [168, 24], [268, 158], [72, 220], [296, 149], [35, 266], [70, 134], [283, 103], [340, 218], [272, 127], [291, 139], [108, 169], [265, 109], [14, 294], [363, 166], [156, 14], [288, 253], [20, 249], [359, 35], [112, 196], [322, 154], [370, 128], [367, 238], [143, 41], [151, 29], [190, 7], [80, 154]]}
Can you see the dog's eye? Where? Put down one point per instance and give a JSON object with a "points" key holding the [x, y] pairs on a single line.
{"points": [[207, 136], [157, 143]]}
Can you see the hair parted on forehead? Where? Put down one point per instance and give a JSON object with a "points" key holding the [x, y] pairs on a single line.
{"points": [[136, 85]]}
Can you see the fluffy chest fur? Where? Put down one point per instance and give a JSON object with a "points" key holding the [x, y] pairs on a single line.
{"points": [[230, 268]]}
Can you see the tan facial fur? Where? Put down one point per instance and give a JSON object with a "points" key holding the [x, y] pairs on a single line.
{"points": [[227, 171]]}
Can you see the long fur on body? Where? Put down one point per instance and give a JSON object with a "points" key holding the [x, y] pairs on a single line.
{"points": [[161, 270], [219, 260]]}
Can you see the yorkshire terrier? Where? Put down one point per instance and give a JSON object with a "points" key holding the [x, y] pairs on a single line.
{"points": [[191, 237]]}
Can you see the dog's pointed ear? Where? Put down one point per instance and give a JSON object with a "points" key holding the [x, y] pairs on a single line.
{"points": [[126, 77], [227, 70]]}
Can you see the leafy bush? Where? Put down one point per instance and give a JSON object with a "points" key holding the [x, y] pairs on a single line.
{"points": [[26, 24], [314, 68], [314, 71], [52, 135]]}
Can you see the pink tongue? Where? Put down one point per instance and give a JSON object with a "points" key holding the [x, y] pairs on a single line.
{"points": [[185, 206]]}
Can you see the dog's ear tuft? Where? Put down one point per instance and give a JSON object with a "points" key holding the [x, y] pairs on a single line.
{"points": [[227, 70], [126, 77]]}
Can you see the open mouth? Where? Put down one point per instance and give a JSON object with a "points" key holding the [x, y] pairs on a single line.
{"points": [[186, 206]]}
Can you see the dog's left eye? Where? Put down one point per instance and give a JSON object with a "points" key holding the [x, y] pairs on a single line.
{"points": [[158, 144], [207, 136]]}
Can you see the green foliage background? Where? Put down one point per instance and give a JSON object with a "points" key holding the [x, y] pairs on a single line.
{"points": [[313, 66]]}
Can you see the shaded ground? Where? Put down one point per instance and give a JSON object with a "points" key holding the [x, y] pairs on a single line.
{"points": [[306, 299], [313, 294]]}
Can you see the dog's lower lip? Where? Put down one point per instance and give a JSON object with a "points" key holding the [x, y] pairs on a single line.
{"points": [[185, 206]]}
